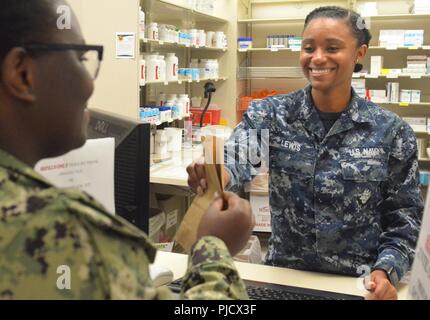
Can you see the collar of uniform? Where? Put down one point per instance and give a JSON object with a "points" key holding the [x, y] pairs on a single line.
{"points": [[10, 162], [357, 109]]}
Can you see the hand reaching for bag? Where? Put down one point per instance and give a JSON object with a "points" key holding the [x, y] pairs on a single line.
{"points": [[233, 224]]}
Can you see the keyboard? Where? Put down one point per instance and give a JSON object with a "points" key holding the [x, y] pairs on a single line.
{"points": [[270, 291]]}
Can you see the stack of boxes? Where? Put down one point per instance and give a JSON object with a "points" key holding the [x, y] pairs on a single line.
{"points": [[401, 38], [393, 92], [378, 96], [410, 96], [416, 65]]}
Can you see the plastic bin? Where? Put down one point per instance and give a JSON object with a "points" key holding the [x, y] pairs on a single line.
{"points": [[212, 116]]}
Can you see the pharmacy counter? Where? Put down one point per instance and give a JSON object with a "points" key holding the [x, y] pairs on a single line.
{"points": [[174, 171], [312, 280]]}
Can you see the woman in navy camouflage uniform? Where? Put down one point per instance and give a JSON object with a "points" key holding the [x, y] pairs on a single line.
{"points": [[344, 183]]}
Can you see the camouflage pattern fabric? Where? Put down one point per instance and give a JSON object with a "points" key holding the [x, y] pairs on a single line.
{"points": [[341, 200], [43, 228]]}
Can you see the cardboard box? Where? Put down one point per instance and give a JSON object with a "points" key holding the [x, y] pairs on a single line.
{"points": [[415, 96], [414, 38], [174, 210], [405, 95], [261, 210], [391, 38]]}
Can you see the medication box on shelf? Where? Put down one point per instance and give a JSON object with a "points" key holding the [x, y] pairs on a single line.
{"points": [[418, 124], [376, 64], [244, 43], [415, 96]]}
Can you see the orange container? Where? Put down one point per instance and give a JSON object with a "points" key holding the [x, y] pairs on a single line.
{"points": [[244, 103], [212, 116]]}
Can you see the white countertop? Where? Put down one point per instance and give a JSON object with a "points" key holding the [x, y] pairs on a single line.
{"points": [[256, 272], [174, 171]]}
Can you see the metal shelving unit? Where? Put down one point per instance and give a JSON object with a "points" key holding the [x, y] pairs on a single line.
{"points": [[173, 13]]}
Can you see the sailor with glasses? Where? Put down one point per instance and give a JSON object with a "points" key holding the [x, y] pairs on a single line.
{"points": [[46, 78]]}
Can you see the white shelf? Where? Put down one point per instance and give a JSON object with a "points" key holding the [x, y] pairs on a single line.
{"points": [[399, 16], [269, 50], [403, 104], [168, 11], [179, 45], [270, 73], [169, 121], [379, 17], [271, 20], [372, 76], [186, 81], [424, 47]]}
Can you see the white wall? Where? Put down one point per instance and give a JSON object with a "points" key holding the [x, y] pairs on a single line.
{"points": [[117, 84]]}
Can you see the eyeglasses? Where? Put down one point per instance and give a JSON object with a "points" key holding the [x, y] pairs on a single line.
{"points": [[91, 58]]}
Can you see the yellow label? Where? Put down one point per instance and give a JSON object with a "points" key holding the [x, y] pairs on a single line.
{"points": [[404, 104]]}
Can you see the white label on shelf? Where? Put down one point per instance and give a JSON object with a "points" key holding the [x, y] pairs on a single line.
{"points": [[243, 50], [161, 42], [296, 48], [426, 47], [166, 83], [274, 49], [413, 48], [189, 81], [179, 82], [197, 47], [187, 45], [371, 76], [392, 76], [416, 76], [144, 40], [391, 48]]}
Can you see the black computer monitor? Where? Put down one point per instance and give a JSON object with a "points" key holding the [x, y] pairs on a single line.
{"points": [[132, 160]]}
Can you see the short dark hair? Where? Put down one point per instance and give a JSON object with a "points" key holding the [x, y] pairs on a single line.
{"points": [[354, 20], [25, 21]]}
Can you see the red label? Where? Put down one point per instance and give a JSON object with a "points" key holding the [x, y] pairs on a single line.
{"points": [[156, 73], [174, 70]]}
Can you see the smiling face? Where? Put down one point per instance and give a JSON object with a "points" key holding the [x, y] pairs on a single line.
{"points": [[329, 54]]}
